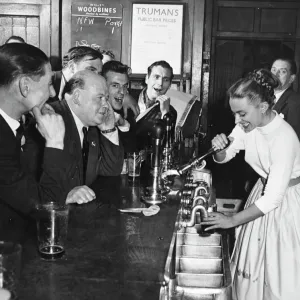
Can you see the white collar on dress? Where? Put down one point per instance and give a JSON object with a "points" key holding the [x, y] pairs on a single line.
{"points": [[272, 126]]}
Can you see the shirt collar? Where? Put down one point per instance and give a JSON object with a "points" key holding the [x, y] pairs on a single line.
{"points": [[141, 101], [144, 102], [78, 122], [12, 123], [148, 102], [278, 95]]}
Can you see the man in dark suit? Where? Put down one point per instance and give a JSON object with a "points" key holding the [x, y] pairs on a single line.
{"points": [[91, 139], [25, 85], [116, 75], [77, 59], [84, 58], [287, 102]]}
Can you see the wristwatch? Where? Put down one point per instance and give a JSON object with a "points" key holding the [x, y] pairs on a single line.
{"points": [[109, 130]]}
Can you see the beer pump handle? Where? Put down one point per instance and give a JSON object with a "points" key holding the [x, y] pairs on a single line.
{"points": [[158, 134], [211, 151], [168, 136]]}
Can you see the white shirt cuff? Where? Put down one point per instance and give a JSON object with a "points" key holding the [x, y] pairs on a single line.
{"points": [[125, 127], [112, 136]]}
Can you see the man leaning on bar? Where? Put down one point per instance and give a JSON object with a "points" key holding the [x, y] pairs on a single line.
{"points": [[25, 86], [91, 139]]}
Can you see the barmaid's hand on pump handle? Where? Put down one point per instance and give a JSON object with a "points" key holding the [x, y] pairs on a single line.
{"points": [[220, 141]]}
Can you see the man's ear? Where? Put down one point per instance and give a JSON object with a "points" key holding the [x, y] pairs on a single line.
{"points": [[146, 78], [71, 66], [24, 86], [76, 97], [292, 78]]}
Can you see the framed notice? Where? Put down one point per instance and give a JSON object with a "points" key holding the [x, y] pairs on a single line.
{"points": [[157, 31], [97, 25]]}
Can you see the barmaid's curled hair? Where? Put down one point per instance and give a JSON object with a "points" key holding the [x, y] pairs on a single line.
{"points": [[258, 86]]}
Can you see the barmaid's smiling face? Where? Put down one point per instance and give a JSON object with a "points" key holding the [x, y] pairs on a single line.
{"points": [[248, 115]]}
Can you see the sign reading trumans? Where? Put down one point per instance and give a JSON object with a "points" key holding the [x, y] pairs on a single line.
{"points": [[156, 35]]}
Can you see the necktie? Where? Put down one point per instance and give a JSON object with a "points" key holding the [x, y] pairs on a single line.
{"points": [[85, 150], [20, 132]]}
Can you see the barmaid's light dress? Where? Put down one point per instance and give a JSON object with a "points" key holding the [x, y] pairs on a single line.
{"points": [[265, 263]]}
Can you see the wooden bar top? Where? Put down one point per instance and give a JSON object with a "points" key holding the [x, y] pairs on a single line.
{"points": [[109, 255]]}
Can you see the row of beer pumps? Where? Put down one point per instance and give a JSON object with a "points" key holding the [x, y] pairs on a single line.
{"points": [[164, 165]]}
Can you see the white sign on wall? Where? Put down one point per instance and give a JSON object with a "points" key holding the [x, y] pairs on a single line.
{"points": [[156, 35]]}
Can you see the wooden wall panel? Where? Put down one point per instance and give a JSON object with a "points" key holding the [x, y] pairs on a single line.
{"points": [[19, 27], [45, 13], [45, 29], [33, 36], [198, 47], [55, 28], [66, 27], [279, 20], [236, 19], [5, 28], [39, 2]]}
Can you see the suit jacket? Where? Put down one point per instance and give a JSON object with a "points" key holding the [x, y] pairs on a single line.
{"points": [[104, 158], [289, 106], [128, 139], [57, 75], [19, 190]]}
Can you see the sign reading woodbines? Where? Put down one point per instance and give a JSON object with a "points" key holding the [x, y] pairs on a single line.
{"points": [[97, 25], [156, 35]]}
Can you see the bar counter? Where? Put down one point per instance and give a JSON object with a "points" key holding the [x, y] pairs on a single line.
{"points": [[109, 255]]}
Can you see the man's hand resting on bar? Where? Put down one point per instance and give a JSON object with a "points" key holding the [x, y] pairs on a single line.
{"points": [[80, 194]]}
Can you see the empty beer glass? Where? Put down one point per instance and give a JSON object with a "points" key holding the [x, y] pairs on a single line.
{"points": [[52, 229], [134, 160]]}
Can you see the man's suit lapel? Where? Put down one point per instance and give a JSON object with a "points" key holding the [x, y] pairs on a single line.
{"points": [[94, 154], [282, 102], [57, 81], [7, 138], [72, 139]]}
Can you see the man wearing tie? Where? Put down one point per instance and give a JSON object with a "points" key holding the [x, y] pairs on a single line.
{"points": [[287, 102], [91, 140], [25, 86], [84, 58]]}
